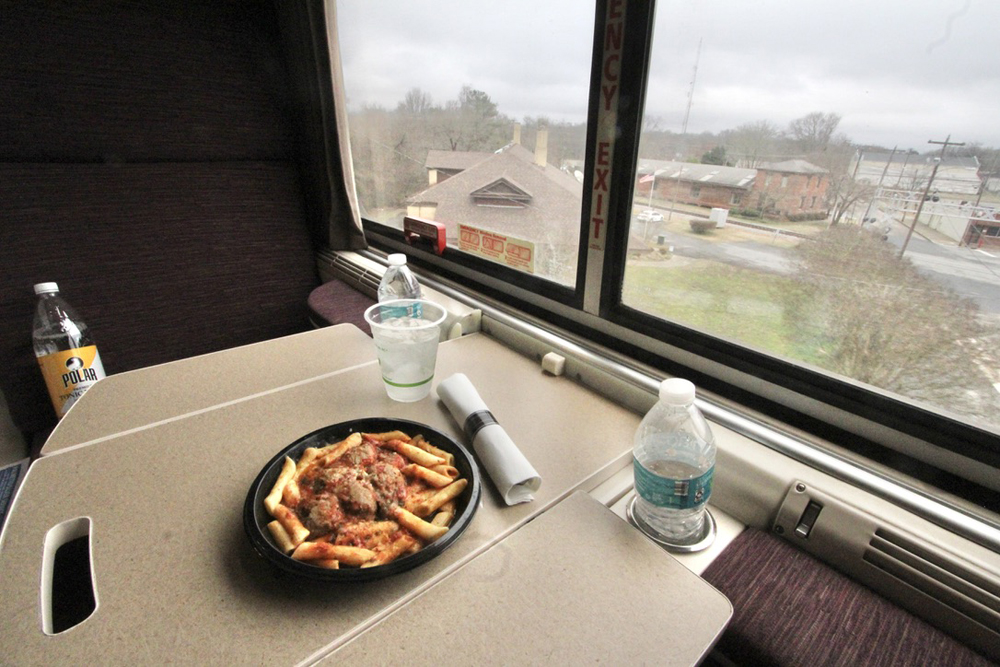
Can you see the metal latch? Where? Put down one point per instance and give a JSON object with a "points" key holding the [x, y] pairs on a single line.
{"points": [[808, 519]]}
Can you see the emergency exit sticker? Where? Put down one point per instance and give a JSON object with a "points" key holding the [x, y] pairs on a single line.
{"points": [[500, 248]]}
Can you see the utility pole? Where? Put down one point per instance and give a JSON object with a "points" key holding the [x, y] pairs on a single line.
{"points": [[944, 145], [878, 188]]}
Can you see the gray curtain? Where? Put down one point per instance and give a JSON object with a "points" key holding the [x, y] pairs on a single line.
{"points": [[309, 34]]}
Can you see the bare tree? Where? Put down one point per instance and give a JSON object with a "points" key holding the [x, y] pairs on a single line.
{"points": [[877, 320], [751, 143], [415, 103], [474, 123], [814, 131], [844, 192]]}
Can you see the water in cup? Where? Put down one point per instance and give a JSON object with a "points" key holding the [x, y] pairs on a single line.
{"points": [[406, 334], [407, 352]]}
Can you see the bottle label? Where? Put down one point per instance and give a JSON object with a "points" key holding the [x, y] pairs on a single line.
{"points": [[68, 374], [414, 311], [660, 489]]}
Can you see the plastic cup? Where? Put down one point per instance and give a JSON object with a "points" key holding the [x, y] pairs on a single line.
{"points": [[406, 333]]}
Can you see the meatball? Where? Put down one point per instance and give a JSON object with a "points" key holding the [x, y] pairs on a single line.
{"points": [[354, 491], [389, 485], [359, 457], [323, 514]]}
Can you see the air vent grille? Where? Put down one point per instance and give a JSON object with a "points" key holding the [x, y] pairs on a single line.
{"points": [[364, 279], [960, 588]]}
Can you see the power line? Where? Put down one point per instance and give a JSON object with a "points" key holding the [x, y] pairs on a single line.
{"points": [[944, 145]]}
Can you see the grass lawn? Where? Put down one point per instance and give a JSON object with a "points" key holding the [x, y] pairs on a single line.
{"points": [[730, 302]]}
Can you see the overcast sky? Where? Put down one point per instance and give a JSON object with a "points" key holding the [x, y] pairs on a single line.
{"points": [[899, 72]]}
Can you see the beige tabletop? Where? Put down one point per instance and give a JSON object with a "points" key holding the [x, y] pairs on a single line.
{"points": [[577, 585], [176, 578], [144, 396]]}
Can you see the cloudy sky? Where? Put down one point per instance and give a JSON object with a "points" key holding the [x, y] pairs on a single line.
{"points": [[899, 72]]}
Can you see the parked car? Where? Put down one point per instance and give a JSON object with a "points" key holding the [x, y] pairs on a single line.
{"points": [[879, 229], [649, 215]]}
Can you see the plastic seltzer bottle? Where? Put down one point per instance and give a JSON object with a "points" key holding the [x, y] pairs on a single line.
{"points": [[398, 282], [673, 462], [65, 351]]}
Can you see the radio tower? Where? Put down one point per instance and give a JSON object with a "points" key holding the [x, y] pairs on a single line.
{"points": [[694, 76]]}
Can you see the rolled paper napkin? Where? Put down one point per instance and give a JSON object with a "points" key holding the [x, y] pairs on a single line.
{"points": [[513, 476]]}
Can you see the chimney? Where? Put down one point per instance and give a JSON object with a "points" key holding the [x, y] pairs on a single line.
{"points": [[542, 146], [517, 133]]}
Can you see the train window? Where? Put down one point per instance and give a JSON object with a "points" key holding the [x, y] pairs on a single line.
{"points": [[832, 147], [473, 116], [808, 199]]}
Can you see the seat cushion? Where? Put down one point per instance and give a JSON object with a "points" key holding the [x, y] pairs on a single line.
{"points": [[336, 302], [791, 609]]}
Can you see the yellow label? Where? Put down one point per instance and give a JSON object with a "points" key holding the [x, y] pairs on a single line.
{"points": [[69, 374], [500, 248]]}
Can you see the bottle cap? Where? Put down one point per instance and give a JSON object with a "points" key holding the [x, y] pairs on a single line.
{"points": [[677, 391], [397, 259], [43, 288]]}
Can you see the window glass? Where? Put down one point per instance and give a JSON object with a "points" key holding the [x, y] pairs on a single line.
{"points": [[823, 186], [473, 115]]}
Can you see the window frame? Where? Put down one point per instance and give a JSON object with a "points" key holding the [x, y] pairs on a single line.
{"points": [[950, 454]]}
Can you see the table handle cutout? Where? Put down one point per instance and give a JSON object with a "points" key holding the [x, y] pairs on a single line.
{"points": [[68, 586]]}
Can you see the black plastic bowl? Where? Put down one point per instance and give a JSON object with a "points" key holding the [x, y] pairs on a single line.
{"points": [[256, 516]]}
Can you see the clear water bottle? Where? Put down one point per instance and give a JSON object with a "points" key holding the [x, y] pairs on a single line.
{"points": [[398, 282], [65, 351], [673, 462]]}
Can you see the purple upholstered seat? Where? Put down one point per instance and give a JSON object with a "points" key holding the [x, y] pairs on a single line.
{"points": [[791, 609], [337, 302]]}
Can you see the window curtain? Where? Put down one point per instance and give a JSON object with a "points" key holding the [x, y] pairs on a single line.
{"points": [[309, 36]]}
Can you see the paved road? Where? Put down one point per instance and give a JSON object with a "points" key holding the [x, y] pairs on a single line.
{"points": [[973, 273]]}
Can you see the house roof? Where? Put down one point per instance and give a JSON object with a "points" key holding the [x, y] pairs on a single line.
{"points": [[552, 215], [734, 177], [792, 167], [454, 159]]}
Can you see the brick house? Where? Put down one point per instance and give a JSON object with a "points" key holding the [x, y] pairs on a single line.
{"points": [[791, 189], [983, 229], [706, 185]]}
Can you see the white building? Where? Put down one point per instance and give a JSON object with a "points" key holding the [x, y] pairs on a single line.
{"points": [[910, 172]]}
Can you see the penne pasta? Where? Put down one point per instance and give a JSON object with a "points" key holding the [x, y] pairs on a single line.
{"points": [[422, 529], [415, 454], [430, 505], [445, 514], [290, 496], [308, 456], [394, 550], [273, 498], [280, 536], [418, 441], [447, 470], [418, 498], [331, 453], [366, 509], [290, 522], [326, 551], [437, 480]]}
